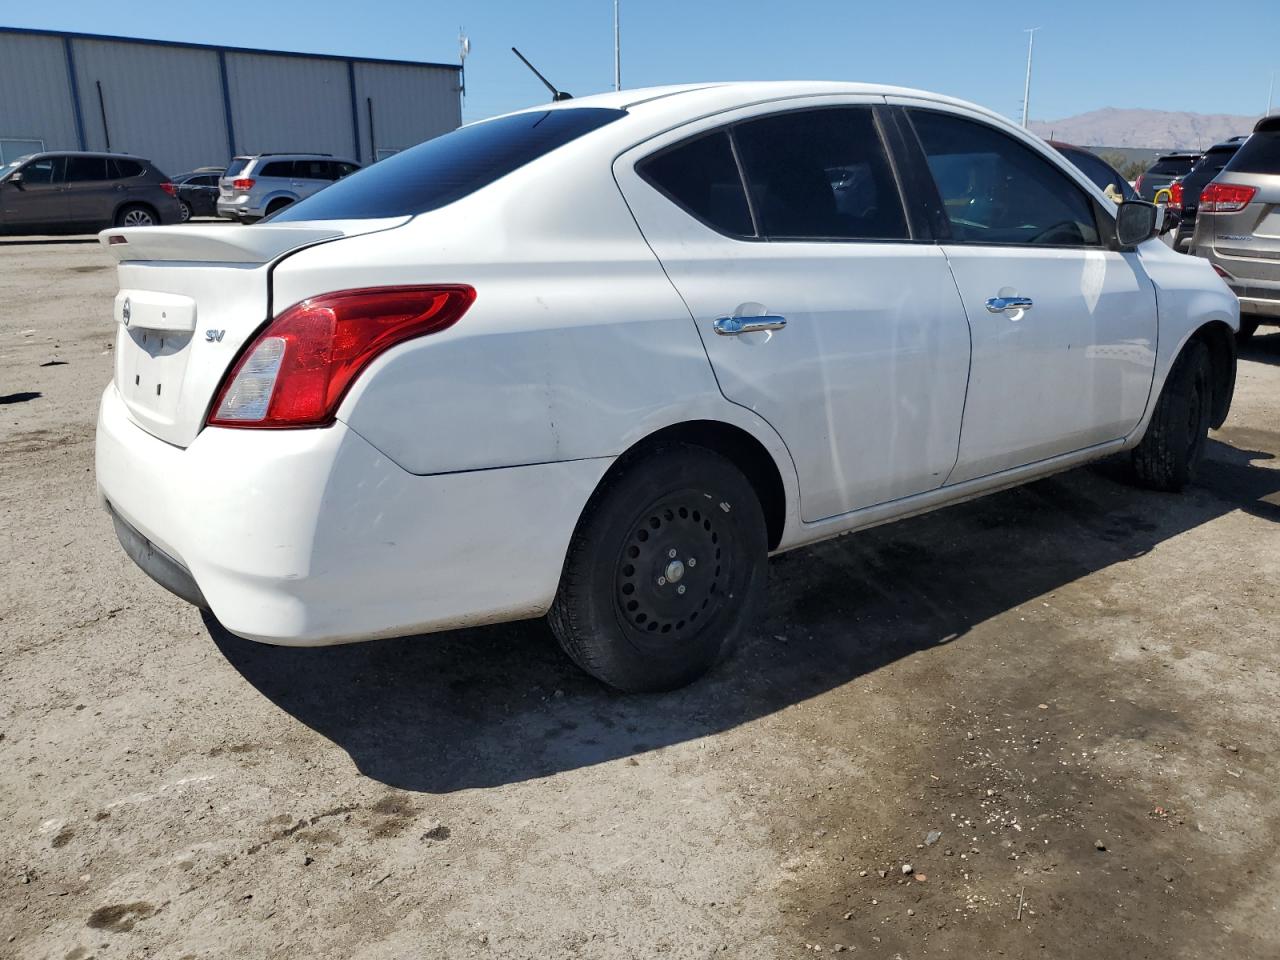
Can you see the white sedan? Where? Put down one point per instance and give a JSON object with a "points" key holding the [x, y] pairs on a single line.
{"points": [[598, 360]]}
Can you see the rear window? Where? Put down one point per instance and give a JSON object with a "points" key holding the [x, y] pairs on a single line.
{"points": [[236, 166], [1172, 166], [1260, 154], [450, 167]]}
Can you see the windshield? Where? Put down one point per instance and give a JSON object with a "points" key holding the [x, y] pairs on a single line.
{"points": [[450, 167], [13, 165]]}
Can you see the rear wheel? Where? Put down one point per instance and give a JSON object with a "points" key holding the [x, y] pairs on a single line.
{"points": [[136, 215], [665, 571], [1168, 455], [275, 206], [184, 211]]}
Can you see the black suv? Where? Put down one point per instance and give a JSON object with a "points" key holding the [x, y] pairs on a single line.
{"points": [[1163, 172]]}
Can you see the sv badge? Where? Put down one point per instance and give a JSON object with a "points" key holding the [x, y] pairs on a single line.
{"points": [[214, 336]]}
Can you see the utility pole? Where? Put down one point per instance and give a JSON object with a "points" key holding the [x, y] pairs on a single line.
{"points": [[617, 50], [1026, 89]]}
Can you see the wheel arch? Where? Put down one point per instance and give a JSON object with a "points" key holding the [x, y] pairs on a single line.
{"points": [[736, 445], [1221, 341], [125, 204]]}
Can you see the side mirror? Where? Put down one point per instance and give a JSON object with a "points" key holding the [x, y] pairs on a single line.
{"points": [[1135, 223], [16, 179]]}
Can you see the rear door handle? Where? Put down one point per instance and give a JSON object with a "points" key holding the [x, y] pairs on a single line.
{"points": [[733, 326], [1001, 304]]}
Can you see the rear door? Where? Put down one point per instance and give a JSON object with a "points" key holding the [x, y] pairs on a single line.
{"points": [[37, 202], [820, 307], [1064, 329], [91, 196]]}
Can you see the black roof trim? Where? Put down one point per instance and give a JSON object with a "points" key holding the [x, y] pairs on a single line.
{"points": [[31, 31]]}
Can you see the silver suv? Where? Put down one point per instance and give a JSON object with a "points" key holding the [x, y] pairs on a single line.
{"points": [[258, 186], [1238, 225]]}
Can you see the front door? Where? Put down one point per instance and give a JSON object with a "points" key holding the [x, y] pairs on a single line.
{"points": [[37, 202], [819, 308], [1064, 328]]}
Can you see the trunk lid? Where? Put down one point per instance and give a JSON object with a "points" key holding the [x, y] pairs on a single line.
{"points": [[1248, 241], [190, 298]]}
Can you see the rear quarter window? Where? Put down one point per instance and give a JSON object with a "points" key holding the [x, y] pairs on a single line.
{"points": [[123, 169], [236, 166], [1260, 154], [450, 167], [701, 177], [277, 168]]}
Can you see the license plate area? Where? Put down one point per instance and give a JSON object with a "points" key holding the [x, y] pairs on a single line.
{"points": [[151, 365]]}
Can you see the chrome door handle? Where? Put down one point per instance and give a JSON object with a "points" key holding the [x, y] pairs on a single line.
{"points": [[733, 326], [1001, 304]]}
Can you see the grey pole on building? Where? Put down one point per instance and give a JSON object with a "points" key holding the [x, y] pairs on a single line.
{"points": [[617, 50], [1026, 88]]}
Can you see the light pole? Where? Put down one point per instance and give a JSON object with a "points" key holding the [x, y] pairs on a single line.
{"points": [[1026, 89], [617, 50]]}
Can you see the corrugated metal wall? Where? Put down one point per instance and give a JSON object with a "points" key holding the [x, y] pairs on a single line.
{"points": [[164, 103], [35, 92], [409, 105], [187, 106], [290, 105]]}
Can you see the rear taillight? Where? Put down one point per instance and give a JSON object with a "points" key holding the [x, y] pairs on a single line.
{"points": [[1222, 273], [243, 183], [1225, 198], [1137, 184], [1175, 195], [169, 188], [297, 370]]}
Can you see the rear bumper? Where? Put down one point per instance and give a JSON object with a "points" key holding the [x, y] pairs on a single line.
{"points": [[311, 537]]}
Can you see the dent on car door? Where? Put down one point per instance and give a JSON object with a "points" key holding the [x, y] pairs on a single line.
{"points": [[815, 305], [1064, 328]]}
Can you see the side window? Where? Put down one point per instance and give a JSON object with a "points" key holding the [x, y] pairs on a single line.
{"points": [[995, 190], [46, 170], [123, 169], [277, 168], [82, 169], [821, 175], [205, 180], [344, 170], [701, 177]]}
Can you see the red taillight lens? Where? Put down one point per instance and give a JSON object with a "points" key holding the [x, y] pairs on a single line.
{"points": [[169, 188], [1137, 184], [1175, 195], [243, 183], [297, 370], [1225, 198]]}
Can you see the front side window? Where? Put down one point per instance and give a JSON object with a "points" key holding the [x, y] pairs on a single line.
{"points": [[450, 167], [996, 190], [821, 175], [46, 170], [82, 169], [701, 177]]}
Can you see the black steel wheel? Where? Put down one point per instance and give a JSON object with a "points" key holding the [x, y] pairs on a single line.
{"points": [[665, 570]]}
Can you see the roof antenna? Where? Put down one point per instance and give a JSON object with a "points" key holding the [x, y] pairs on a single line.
{"points": [[555, 94]]}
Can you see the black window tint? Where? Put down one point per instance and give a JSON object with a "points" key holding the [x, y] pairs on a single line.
{"points": [[450, 167], [123, 169], [205, 180], [313, 170], [1174, 167], [1260, 154], [44, 170], [821, 174], [701, 176], [81, 169], [995, 190], [277, 168]]}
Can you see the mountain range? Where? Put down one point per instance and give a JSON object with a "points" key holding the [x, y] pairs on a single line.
{"points": [[1150, 129]]}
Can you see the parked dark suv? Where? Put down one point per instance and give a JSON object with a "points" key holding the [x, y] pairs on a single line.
{"points": [[1185, 200], [1238, 228], [198, 192], [1163, 172], [79, 192]]}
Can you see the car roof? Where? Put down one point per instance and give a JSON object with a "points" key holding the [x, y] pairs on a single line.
{"points": [[294, 156], [88, 153]]}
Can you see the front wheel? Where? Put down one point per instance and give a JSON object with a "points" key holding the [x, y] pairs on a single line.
{"points": [[1173, 446], [665, 571]]}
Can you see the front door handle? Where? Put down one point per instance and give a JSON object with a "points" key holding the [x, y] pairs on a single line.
{"points": [[733, 326], [1001, 304]]}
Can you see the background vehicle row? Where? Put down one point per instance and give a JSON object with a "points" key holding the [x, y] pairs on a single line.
{"points": [[73, 192]]}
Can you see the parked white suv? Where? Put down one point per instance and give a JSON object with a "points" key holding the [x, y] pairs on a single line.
{"points": [[263, 184], [599, 359]]}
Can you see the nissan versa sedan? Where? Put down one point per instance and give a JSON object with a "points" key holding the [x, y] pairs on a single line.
{"points": [[598, 360]]}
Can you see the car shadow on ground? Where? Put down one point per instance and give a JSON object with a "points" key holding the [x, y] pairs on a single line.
{"points": [[1263, 347], [482, 707]]}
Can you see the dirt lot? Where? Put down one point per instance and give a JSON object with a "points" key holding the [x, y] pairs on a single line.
{"points": [[1057, 705]]}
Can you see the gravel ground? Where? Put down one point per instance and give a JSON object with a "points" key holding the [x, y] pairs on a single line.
{"points": [[1040, 724]]}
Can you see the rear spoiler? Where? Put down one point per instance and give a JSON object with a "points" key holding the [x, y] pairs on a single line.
{"points": [[212, 244]]}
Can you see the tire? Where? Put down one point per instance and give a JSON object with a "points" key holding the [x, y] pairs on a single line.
{"points": [[184, 211], [136, 215], [277, 205], [1168, 455], [631, 614], [1248, 327]]}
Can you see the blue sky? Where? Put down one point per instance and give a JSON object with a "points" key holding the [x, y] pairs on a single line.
{"points": [[1201, 57]]}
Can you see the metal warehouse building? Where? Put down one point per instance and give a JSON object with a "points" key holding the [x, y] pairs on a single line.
{"points": [[185, 105]]}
